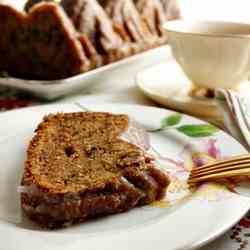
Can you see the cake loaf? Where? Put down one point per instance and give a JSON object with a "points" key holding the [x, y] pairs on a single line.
{"points": [[57, 39]]}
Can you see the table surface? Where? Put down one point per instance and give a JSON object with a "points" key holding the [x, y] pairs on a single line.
{"points": [[121, 89]]}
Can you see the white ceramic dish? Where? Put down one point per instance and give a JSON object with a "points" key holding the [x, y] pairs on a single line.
{"points": [[212, 54], [54, 89], [167, 85], [192, 222]]}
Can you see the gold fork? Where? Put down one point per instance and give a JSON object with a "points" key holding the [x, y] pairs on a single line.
{"points": [[236, 166]]}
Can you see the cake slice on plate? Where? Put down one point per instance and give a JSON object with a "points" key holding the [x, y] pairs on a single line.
{"points": [[81, 165]]}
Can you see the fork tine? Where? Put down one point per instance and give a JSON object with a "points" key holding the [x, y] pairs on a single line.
{"points": [[213, 164], [224, 174], [242, 164], [239, 165], [217, 166]]}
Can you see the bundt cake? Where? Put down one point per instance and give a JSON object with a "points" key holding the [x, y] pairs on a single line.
{"points": [[78, 35]]}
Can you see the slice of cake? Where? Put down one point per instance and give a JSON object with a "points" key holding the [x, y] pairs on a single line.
{"points": [[41, 44], [80, 166], [90, 19], [153, 15], [129, 24]]}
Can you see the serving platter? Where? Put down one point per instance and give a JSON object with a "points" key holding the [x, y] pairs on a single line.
{"points": [[54, 89], [183, 220]]}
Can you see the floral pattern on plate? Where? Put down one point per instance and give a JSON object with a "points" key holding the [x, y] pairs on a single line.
{"points": [[208, 151]]}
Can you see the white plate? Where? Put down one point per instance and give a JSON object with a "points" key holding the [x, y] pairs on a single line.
{"points": [[167, 84], [189, 223], [54, 89]]}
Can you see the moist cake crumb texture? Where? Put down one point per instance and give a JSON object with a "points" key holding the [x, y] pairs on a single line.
{"points": [[78, 167]]}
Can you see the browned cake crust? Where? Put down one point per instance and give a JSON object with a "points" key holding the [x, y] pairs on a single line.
{"points": [[45, 43], [79, 167], [129, 24], [90, 19], [42, 44], [153, 15], [30, 3]]}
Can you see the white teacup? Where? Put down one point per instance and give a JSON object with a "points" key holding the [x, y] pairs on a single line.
{"points": [[212, 54]]}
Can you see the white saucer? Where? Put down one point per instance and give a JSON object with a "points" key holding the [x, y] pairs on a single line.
{"points": [[167, 85]]}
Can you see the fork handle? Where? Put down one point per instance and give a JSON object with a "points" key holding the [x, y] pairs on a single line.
{"points": [[225, 174]]}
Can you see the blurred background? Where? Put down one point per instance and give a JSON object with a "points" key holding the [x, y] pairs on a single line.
{"points": [[228, 10]]}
